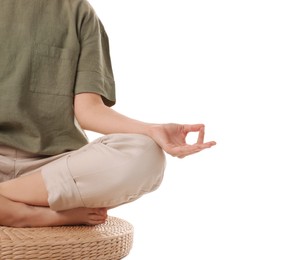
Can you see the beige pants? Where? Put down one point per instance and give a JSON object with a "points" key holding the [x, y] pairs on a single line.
{"points": [[113, 170]]}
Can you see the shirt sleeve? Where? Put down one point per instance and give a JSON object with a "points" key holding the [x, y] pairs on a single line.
{"points": [[94, 70]]}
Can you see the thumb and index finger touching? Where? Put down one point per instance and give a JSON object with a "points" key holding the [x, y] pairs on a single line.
{"points": [[201, 129]]}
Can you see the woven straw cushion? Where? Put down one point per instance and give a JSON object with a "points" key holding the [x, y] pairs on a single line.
{"points": [[109, 241]]}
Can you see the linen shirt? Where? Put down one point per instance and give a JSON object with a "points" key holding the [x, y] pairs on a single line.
{"points": [[50, 50]]}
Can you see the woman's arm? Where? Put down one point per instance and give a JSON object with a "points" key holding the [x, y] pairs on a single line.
{"points": [[93, 115]]}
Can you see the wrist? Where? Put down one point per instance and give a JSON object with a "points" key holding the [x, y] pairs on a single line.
{"points": [[151, 130]]}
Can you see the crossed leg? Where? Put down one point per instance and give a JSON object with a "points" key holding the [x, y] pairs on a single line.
{"points": [[23, 203], [125, 168]]}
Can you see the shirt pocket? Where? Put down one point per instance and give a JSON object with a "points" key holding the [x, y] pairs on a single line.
{"points": [[53, 70]]}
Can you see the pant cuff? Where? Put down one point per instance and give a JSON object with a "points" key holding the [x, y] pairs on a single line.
{"points": [[62, 190]]}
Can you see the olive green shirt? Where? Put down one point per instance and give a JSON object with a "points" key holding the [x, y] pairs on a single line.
{"points": [[50, 50]]}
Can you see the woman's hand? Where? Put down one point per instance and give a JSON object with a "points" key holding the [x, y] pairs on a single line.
{"points": [[172, 139]]}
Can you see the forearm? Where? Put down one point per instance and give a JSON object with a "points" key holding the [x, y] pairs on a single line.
{"points": [[97, 117], [105, 120]]}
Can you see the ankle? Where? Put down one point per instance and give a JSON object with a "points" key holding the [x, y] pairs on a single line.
{"points": [[22, 218]]}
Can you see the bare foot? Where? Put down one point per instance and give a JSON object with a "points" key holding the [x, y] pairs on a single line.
{"points": [[16, 214], [44, 216]]}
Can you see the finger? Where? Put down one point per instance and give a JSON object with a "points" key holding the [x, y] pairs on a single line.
{"points": [[205, 145], [193, 128], [201, 136], [186, 150], [182, 151]]}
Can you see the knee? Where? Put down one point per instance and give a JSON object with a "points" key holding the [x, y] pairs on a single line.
{"points": [[148, 163], [151, 155], [142, 152], [143, 163]]}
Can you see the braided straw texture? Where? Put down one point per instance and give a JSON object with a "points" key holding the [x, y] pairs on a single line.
{"points": [[109, 241]]}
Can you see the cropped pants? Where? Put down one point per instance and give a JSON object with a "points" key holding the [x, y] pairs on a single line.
{"points": [[110, 171]]}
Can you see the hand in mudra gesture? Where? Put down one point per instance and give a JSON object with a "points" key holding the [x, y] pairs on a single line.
{"points": [[172, 139]]}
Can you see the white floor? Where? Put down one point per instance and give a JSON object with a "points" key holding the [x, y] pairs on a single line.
{"points": [[218, 63]]}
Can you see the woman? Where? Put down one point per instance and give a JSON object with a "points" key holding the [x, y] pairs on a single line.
{"points": [[55, 80]]}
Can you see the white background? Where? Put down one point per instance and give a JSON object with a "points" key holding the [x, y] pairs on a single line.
{"points": [[218, 63]]}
